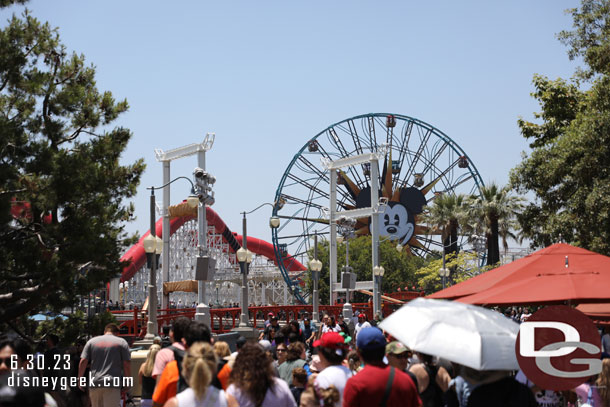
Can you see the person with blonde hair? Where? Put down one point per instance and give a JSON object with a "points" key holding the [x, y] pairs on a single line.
{"points": [[225, 362], [322, 397], [221, 349], [147, 382], [198, 368]]}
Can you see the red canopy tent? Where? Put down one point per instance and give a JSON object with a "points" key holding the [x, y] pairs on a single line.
{"points": [[552, 275], [599, 313]]}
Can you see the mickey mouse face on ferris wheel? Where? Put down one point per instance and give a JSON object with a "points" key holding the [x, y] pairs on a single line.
{"points": [[397, 222]]}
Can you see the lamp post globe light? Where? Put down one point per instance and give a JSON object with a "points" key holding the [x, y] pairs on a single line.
{"points": [[153, 246], [274, 222], [244, 257], [193, 200], [444, 273], [315, 266]]}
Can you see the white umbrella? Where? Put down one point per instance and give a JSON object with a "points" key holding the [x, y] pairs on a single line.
{"points": [[462, 333]]}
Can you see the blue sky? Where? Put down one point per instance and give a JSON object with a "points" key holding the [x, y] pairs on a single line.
{"points": [[266, 76]]}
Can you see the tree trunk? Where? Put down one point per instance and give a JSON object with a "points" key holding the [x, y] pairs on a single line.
{"points": [[493, 247], [454, 238]]}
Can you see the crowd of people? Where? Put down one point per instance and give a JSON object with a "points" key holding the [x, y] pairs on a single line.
{"points": [[335, 363]]}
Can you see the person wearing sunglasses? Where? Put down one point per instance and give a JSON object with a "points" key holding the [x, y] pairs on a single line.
{"points": [[398, 355]]}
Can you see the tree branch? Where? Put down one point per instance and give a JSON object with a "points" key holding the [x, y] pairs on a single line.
{"points": [[9, 312], [19, 293], [13, 191], [45, 103], [72, 136]]}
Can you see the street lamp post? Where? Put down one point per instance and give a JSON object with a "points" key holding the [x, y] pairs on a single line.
{"points": [[316, 266], [205, 264], [378, 272], [153, 246], [346, 229], [244, 257], [479, 243], [444, 273]]}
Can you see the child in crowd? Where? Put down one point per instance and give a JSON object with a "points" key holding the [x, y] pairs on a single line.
{"points": [[299, 380]]}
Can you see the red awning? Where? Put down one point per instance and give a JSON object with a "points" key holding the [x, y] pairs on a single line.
{"points": [[600, 312], [554, 274]]}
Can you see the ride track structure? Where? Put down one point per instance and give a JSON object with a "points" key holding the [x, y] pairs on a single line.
{"points": [[421, 163], [223, 246]]}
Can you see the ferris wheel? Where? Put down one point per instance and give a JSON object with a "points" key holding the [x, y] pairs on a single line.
{"points": [[418, 163]]}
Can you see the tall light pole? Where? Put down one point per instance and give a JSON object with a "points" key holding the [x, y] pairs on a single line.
{"points": [[316, 266], [153, 246], [205, 264], [378, 272], [346, 229], [244, 257], [444, 273]]}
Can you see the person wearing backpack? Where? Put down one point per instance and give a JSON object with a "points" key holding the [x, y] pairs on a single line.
{"points": [[166, 355], [172, 381]]}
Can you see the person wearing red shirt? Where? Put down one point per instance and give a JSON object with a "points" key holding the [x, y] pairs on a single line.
{"points": [[378, 384]]}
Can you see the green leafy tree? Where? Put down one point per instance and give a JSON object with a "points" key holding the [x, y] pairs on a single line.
{"points": [[76, 326], [568, 170], [400, 267], [465, 265], [6, 3], [63, 191], [445, 215], [494, 207]]}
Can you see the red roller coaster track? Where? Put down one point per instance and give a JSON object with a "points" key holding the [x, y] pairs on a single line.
{"points": [[137, 257]]}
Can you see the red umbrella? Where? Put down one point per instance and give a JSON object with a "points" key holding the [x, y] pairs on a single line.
{"points": [[554, 274]]}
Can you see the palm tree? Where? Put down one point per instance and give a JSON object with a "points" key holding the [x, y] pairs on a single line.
{"points": [[495, 207], [445, 215]]}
